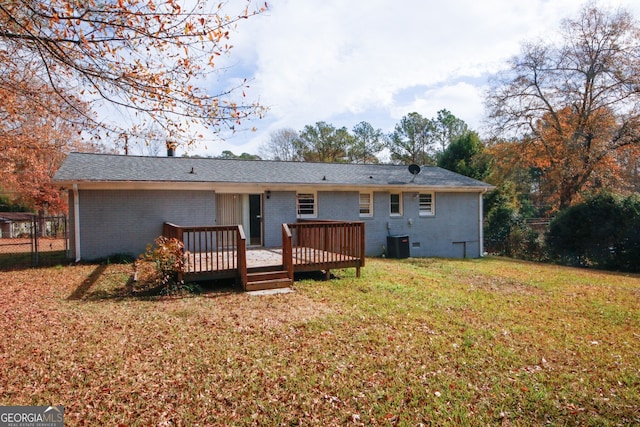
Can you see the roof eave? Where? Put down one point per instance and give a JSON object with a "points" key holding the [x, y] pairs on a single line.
{"points": [[259, 187]]}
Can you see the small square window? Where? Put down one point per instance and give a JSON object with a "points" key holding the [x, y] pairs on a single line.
{"points": [[306, 205], [366, 206], [395, 204], [426, 204]]}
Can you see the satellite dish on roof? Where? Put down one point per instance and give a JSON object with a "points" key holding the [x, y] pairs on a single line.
{"points": [[414, 169]]}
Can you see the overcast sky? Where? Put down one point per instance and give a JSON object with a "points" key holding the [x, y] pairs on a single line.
{"points": [[344, 62]]}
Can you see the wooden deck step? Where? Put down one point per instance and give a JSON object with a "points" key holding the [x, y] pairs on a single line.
{"points": [[261, 280]]}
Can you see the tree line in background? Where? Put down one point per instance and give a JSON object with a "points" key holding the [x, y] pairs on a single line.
{"points": [[564, 118], [415, 139]]}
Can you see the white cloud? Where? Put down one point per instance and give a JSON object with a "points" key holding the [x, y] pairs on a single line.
{"points": [[378, 60], [467, 98]]}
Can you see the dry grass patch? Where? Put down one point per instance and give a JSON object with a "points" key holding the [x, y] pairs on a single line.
{"points": [[413, 341]]}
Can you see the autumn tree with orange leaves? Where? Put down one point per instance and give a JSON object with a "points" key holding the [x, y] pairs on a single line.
{"points": [[153, 59], [573, 110], [150, 61], [36, 132]]}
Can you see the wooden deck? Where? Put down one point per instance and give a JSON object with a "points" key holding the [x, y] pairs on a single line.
{"points": [[259, 257], [216, 252]]}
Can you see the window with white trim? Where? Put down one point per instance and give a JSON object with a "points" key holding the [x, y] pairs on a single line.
{"points": [[306, 205], [427, 205], [366, 205], [395, 204]]}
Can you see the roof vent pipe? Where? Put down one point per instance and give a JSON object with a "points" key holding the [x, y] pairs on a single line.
{"points": [[171, 148]]}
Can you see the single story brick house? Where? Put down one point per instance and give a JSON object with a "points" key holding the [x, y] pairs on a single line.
{"points": [[118, 204]]}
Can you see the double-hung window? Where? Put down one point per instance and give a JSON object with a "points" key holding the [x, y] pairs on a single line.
{"points": [[366, 205], [395, 204], [427, 206], [307, 205]]}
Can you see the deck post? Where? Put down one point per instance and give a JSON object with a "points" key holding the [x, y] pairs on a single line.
{"points": [[242, 257], [172, 231], [287, 251], [362, 246]]}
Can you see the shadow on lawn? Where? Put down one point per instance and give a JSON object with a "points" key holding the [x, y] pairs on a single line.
{"points": [[104, 285], [25, 260], [87, 284]]}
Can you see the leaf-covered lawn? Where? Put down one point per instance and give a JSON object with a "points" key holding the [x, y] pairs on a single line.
{"points": [[417, 341]]}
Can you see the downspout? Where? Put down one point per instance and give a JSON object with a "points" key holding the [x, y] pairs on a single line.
{"points": [[76, 222], [481, 223]]}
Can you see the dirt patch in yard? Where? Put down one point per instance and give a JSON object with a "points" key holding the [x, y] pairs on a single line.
{"points": [[270, 310]]}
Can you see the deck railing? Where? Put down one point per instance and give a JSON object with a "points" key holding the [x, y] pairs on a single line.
{"points": [[329, 243], [212, 248], [287, 250], [220, 251]]}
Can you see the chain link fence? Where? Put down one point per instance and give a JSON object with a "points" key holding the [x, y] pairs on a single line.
{"points": [[29, 240]]}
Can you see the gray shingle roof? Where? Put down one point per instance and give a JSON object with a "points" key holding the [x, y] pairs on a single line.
{"points": [[86, 167]]}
